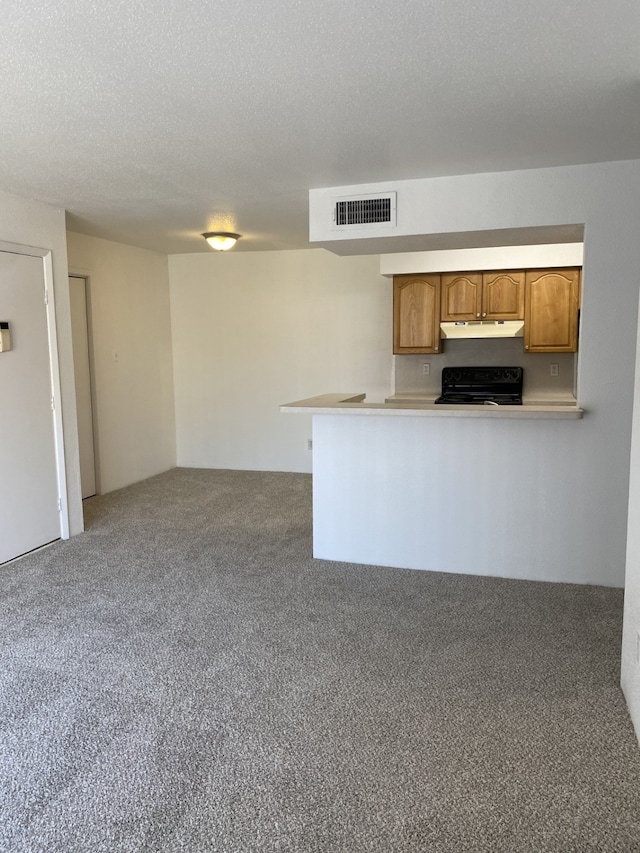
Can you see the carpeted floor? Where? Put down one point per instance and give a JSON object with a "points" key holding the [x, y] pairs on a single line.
{"points": [[184, 677]]}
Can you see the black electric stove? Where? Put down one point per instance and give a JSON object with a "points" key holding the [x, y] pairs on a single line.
{"points": [[492, 386]]}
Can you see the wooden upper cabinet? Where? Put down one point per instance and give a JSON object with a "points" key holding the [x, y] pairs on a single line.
{"points": [[416, 313], [547, 299], [503, 295], [552, 300], [461, 296], [495, 295]]}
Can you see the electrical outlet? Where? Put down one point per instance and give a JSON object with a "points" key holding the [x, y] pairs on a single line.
{"points": [[309, 444], [553, 370], [426, 368]]}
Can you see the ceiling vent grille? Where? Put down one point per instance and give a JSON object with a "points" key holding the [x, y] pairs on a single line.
{"points": [[365, 211]]}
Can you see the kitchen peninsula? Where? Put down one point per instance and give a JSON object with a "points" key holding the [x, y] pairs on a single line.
{"points": [[413, 405], [416, 485]]}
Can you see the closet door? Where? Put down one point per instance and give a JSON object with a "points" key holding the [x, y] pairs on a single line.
{"points": [[29, 514]]}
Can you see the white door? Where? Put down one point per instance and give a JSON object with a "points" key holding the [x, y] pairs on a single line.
{"points": [[29, 514], [80, 333]]}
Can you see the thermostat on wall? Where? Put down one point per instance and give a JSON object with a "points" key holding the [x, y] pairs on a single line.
{"points": [[5, 336]]}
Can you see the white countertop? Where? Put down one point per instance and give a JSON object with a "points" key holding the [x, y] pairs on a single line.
{"points": [[539, 398], [419, 405]]}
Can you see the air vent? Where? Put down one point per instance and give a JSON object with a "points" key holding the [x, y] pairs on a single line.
{"points": [[365, 211]]}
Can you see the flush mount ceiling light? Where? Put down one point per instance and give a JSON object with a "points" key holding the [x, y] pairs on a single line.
{"points": [[221, 240]]}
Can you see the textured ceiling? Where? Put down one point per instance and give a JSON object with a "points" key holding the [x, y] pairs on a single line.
{"points": [[151, 122]]}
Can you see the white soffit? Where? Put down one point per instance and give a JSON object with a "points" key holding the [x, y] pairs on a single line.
{"points": [[489, 258]]}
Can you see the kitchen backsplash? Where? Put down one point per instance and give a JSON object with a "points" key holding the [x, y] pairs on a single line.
{"points": [[410, 376]]}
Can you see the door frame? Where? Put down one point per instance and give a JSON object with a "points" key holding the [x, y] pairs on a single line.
{"points": [[48, 298]]}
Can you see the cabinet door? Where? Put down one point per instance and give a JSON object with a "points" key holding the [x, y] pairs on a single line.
{"points": [[461, 296], [503, 295], [552, 299], [416, 313]]}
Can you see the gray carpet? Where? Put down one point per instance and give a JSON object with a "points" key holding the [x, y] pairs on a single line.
{"points": [[184, 677]]}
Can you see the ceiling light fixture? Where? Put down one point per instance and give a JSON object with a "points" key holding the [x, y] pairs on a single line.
{"points": [[221, 240]]}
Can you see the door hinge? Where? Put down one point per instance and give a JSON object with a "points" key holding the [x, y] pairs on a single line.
{"points": [[46, 296], [53, 403], [59, 504]]}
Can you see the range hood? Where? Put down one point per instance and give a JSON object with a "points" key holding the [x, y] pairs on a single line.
{"points": [[483, 329]]}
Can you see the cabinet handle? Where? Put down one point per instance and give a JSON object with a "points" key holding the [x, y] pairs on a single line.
{"points": [[527, 346], [484, 314], [477, 315]]}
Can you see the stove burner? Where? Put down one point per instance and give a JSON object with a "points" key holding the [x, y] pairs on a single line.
{"points": [[500, 386]]}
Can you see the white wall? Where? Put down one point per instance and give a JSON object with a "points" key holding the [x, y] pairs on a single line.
{"points": [[253, 330], [129, 315], [478, 496], [30, 223]]}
